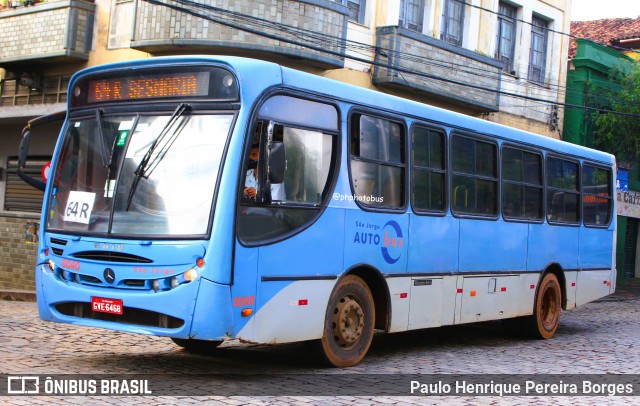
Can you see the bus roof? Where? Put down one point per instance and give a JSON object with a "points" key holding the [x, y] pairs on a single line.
{"points": [[246, 68]]}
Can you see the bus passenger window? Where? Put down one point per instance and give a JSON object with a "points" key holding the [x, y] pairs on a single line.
{"points": [[428, 170], [597, 200], [563, 191], [377, 162], [521, 184], [475, 178]]}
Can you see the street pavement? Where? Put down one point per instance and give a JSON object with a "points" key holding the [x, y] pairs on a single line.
{"points": [[598, 338]]}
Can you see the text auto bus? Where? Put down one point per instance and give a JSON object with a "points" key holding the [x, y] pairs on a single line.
{"points": [[392, 215]]}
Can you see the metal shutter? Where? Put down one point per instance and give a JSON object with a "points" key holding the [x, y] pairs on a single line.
{"points": [[19, 196]]}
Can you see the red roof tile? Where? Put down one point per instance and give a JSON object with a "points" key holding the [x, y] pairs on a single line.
{"points": [[607, 31]]}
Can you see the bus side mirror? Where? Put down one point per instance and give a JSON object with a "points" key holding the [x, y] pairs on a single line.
{"points": [[24, 149], [277, 162], [23, 152]]}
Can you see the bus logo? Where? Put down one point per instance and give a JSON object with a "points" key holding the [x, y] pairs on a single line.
{"points": [[391, 242], [109, 275]]}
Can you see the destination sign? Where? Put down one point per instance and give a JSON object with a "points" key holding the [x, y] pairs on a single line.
{"points": [[158, 86]]}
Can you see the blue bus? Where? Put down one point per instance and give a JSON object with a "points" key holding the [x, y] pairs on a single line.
{"points": [[213, 198]]}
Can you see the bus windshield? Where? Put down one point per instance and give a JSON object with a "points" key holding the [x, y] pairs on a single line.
{"points": [[138, 175]]}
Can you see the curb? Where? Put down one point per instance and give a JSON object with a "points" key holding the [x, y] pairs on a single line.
{"points": [[18, 295]]}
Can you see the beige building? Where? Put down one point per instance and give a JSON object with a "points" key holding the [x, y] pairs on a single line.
{"points": [[488, 58]]}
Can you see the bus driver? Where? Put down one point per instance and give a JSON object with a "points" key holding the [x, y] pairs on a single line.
{"points": [[251, 180]]}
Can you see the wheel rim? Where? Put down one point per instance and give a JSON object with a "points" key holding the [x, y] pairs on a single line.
{"points": [[549, 308], [348, 322]]}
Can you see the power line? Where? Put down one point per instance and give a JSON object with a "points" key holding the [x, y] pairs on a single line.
{"points": [[357, 47], [323, 49]]}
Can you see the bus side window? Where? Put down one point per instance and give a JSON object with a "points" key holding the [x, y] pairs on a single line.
{"points": [[475, 176], [563, 191], [522, 188], [293, 199], [377, 162], [428, 169], [597, 200]]}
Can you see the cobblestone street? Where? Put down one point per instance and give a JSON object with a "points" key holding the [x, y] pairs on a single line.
{"points": [[599, 338]]}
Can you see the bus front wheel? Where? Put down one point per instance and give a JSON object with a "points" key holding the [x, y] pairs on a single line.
{"points": [[546, 315], [349, 323], [193, 345]]}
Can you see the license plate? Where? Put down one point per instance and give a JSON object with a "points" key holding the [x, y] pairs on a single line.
{"points": [[105, 305]]}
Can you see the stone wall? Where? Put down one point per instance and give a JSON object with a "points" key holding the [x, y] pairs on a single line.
{"points": [[17, 257]]}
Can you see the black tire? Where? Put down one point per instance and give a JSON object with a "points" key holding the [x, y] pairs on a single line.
{"points": [[349, 323], [544, 322], [192, 345]]}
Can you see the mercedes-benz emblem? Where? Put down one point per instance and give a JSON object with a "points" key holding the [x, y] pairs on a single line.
{"points": [[109, 275]]}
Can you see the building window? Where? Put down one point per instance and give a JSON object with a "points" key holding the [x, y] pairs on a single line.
{"points": [[597, 201], [521, 184], [428, 170], [411, 14], [538, 54], [475, 177], [356, 9], [453, 22], [377, 162], [506, 36], [563, 191]]}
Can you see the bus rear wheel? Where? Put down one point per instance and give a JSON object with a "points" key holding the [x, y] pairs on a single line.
{"points": [[349, 323], [546, 314], [193, 345]]}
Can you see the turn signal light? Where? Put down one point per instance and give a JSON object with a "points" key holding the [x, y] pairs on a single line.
{"points": [[200, 262], [246, 312]]}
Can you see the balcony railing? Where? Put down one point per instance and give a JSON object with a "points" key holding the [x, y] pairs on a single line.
{"points": [[410, 60], [302, 29], [60, 31]]}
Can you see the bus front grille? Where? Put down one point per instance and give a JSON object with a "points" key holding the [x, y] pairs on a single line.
{"points": [[130, 315], [110, 256]]}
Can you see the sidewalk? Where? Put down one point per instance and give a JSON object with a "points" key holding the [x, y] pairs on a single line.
{"points": [[18, 295], [628, 289]]}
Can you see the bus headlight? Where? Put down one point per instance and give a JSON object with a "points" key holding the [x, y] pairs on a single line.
{"points": [[155, 285], [191, 275]]}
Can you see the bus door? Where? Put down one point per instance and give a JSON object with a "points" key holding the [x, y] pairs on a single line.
{"points": [[287, 237]]}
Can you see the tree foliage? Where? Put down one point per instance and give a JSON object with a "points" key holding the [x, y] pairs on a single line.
{"points": [[619, 134]]}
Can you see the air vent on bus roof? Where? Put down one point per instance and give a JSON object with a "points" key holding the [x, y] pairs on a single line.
{"points": [[110, 256]]}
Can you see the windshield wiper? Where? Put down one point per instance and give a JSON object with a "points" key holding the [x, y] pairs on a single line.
{"points": [[109, 165], [147, 165]]}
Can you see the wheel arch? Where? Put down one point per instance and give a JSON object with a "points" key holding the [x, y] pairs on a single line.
{"points": [[379, 290], [558, 271]]}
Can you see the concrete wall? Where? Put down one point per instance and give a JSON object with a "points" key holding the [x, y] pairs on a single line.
{"points": [[161, 29], [459, 68], [47, 30]]}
